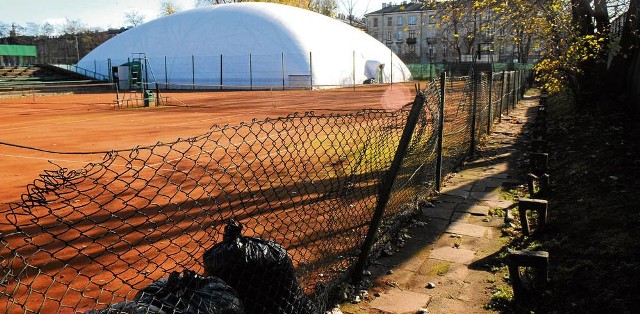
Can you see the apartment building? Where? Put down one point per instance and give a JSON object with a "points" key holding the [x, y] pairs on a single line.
{"points": [[418, 33]]}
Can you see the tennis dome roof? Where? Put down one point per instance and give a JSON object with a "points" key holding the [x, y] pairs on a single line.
{"points": [[250, 44]]}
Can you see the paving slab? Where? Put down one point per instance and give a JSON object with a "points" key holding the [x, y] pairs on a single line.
{"points": [[498, 203], [462, 217], [474, 209], [399, 301], [444, 305], [457, 192], [467, 229], [485, 186], [486, 196], [441, 213], [450, 254], [434, 226], [444, 198]]}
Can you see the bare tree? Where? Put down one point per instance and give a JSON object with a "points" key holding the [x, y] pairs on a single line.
{"points": [[134, 18], [31, 29], [349, 5], [4, 29], [458, 26], [47, 29], [72, 27]]}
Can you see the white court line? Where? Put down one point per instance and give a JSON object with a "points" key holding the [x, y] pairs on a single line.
{"points": [[49, 159]]}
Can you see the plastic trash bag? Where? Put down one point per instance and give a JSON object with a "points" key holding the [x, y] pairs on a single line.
{"points": [[260, 271], [128, 308], [189, 293]]}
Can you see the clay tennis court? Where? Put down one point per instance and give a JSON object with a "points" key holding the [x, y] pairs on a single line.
{"points": [[122, 239], [93, 123], [51, 127]]}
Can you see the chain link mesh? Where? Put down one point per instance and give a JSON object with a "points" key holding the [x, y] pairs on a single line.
{"points": [[86, 238]]}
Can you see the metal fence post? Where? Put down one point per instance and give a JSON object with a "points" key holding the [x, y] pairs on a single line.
{"points": [[310, 71], [353, 69], [490, 102], [193, 72], [220, 71], [517, 82], [443, 81], [501, 96], [515, 92], [474, 82], [250, 73], [387, 184], [166, 74], [508, 102], [109, 70]]}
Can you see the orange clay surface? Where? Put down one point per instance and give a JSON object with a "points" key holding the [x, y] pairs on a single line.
{"points": [[94, 123]]}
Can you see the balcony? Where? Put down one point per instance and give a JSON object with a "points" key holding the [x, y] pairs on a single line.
{"points": [[411, 41]]}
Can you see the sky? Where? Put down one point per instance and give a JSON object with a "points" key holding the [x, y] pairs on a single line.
{"points": [[107, 14]]}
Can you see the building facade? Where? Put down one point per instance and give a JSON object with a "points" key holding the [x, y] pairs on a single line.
{"points": [[419, 32]]}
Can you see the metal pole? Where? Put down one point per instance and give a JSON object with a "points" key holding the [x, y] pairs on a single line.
{"points": [[283, 71], [501, 96], [509, 92], [490, 101], [353, 68], [220, 71], [516, 87], [515, 96], [109, 70], [443, 81], [250, 73], [166, 73], [391, 69], [146, 72], [386, 185], [474, 84], [311, 70], [193, 72]]}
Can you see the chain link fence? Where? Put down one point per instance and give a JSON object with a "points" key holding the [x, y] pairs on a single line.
{"points": [[268, 216]]}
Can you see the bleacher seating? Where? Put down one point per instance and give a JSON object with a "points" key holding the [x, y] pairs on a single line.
{"points": [[36, 73]]}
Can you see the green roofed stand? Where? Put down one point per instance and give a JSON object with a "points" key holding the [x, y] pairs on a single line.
{"points": [[9, 54]]}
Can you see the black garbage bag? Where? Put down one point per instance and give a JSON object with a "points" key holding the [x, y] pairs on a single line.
{"points": [[129, 307], [260, 271], [189, 293]]}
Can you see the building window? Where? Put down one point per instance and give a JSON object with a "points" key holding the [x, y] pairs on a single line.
{"points": [[487, 16], [412, 20], [389, 35], [375, 22], [389, 21], [488, 32], [412, 33], [400, 21], [399, 35], [412, 48]]}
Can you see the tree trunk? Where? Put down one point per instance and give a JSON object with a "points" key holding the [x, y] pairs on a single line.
{"points": [[582, 15], [601, 15], [621, 70]]}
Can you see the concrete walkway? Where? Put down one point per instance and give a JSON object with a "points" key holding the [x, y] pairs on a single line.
{"points": [[447, 264]]}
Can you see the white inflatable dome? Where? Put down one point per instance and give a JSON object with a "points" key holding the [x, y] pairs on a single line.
{"points": [[249, 45]]}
